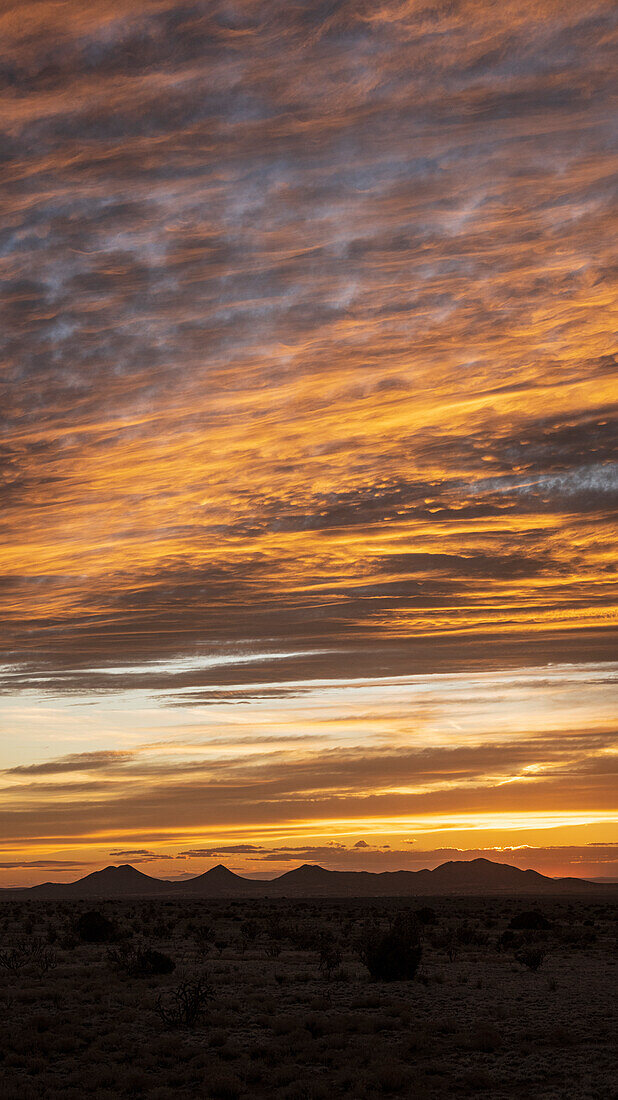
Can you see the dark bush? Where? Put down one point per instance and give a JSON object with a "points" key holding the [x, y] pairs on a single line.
{"points": [[508, 939], [532, 957], [468, 936], [392, 955], [43, 958], [185, 1004], [330, 958], [155, 962], [577, 937], [68, 941], [533, 920], [93, 927], [204, 938], [446, 941], [249, 932], [27, 951], [140, 962], [15, 956], [426, 915]]}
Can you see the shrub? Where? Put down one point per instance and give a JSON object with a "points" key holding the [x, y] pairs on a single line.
{"points": [[392, 955], [185, 1004], [426, 915], [532, 957], [140, 962], [577, 937], [204, 937], [93, 927], [508, 939], [154, 962], [448, 942], [468, 936], [533, 920], [249, 931], [22, 952], [15, 956], [68, 941], [42, 957], [330, 957]]}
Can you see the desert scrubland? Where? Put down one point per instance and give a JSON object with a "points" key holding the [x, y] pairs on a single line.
{"points": [[234, 999]]}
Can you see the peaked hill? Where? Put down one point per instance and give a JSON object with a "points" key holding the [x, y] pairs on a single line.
{"points": [[219, 882], [457, 877], [122, 881]]}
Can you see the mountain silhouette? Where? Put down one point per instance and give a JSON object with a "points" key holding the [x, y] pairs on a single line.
{"points": [[309, 874], [476, 876], [218, 882], [457, 877], [121, 881], [481, 870]]}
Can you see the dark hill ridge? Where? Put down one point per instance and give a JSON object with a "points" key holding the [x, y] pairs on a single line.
{"points": [[219, 882], [476, 876], [457, 877], [122, 881]]}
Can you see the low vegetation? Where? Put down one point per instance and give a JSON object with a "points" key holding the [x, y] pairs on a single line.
{"points": [[392, 954], [140, 961], [307, 999], [185, 1004]]}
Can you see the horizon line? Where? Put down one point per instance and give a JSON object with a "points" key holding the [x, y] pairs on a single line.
{"points": [[311, 866]]}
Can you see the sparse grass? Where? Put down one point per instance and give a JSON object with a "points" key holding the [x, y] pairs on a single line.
{"points": [[285, 1025]]}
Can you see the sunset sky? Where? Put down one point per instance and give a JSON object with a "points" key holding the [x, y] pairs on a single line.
{"points": [[308, 435]]}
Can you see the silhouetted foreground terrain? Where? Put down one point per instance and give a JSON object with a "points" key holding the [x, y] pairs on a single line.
{"points": [[476, 876], [271, 997]]}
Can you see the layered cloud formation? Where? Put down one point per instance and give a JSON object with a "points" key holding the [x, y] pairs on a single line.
{"points": [[308, 343]]}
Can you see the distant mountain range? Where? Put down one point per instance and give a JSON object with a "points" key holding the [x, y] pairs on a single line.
{"points": [[457, 877]]}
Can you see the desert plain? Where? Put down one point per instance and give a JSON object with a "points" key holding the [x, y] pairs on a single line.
{"points": [[512, 997]]}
